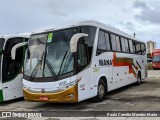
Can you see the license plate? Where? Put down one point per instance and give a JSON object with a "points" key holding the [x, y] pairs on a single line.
{"points": [[43, 98]]}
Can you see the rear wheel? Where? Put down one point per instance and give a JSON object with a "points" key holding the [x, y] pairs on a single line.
{"points": [[101, 91]]}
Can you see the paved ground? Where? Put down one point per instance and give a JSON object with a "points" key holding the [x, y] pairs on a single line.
{"points": [[145, 97]]}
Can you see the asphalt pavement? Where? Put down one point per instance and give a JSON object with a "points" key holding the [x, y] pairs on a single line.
{"points": [[145, 97]]}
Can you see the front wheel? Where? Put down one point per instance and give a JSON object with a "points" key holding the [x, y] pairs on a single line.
{"points": [[101, 91]]}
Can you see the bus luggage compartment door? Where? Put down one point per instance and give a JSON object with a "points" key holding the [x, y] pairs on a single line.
{"points": [[13, 89]]}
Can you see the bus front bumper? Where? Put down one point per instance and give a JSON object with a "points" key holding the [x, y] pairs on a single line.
{"points": [[69, 95]]}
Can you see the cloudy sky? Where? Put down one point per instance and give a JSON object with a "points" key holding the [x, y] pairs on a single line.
{"points": [[139, 16]]}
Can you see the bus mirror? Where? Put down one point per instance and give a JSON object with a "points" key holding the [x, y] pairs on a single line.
{"points": [[1, 52], [13, 52], [74, 41]]}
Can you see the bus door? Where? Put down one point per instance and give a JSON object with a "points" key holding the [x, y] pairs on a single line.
{"points": [[83, 71], [12, 70]]}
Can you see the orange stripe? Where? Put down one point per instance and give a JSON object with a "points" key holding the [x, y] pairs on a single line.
{"points": [[114, 55], [129, 63]]}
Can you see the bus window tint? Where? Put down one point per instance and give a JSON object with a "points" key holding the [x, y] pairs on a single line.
{"points": [[107, 41], [124, 43], [127, 46], [101, 43], [134, 46], [138, 48], [143, 48], [131, 46], [91, 31], [118, 44], [82, 54], [113, 41]]}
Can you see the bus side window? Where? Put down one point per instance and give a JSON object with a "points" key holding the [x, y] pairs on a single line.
{"points": [[82, 55], [118, 44], [138, 48], [107, 39], [143, 49], [125, 46], [134, 46], [131, 46], [115, 43], [101, 45], [91, 31]]}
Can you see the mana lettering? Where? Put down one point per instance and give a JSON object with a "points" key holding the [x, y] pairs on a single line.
{"points": [[105, 62]]}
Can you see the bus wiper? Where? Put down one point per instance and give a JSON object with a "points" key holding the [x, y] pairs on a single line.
{"points": [[51, 69], [35, 70], [62, 61], [33, 74], [38, 65]]}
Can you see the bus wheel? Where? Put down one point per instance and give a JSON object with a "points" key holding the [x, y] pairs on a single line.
{"points": [[101, 91], [138, 79]]}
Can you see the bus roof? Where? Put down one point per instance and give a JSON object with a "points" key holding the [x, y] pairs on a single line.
{"points": [[82, 23], [15, 35]]}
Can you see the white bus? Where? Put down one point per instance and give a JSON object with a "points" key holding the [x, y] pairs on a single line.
{"points": [[81, 61], [11, 70]]}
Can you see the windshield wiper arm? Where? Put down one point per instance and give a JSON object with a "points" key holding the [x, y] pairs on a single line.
{"points": [[38, 65], [51, 69], [62, 62], [35, 70]]}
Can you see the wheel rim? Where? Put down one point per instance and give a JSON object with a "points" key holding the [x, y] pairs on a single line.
{"points": [[101, 91]]}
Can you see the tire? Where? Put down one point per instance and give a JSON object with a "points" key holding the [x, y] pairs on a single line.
{"points": [[101, 91], [138, 79]]}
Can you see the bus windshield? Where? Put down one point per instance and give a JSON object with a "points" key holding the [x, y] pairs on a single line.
{"points": [[49, 54], [156, 59]]}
